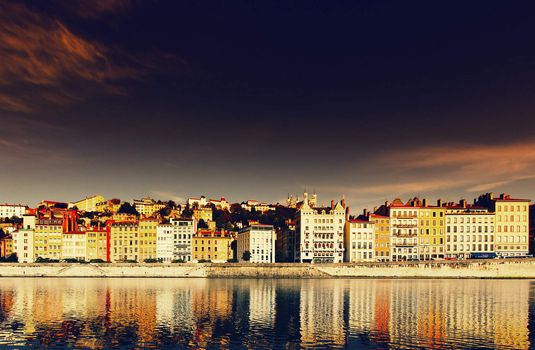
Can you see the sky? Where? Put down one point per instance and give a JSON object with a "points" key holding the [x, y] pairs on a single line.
{"points": [[370, 100]]}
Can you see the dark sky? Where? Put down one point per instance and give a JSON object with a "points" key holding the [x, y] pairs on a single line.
{"points": [[255, 99]]}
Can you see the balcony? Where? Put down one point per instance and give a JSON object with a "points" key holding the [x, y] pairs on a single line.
{"points": [[405, 225]]}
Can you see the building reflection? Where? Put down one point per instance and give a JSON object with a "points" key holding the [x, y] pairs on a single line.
{"points": [[290, 314]]}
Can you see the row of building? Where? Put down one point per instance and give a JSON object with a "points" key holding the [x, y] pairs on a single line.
{"points": [[412, 230], [396, 231]]}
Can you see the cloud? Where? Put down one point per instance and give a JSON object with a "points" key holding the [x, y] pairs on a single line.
{"points": [[95, 8], [164, 195], [44, 62]]}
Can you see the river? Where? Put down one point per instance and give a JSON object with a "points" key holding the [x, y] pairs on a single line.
{"points": [[282, 314]]}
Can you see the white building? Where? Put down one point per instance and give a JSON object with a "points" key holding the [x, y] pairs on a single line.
{"points": [[222, 203], [469, 230], [87, 204], [10, 210], [164, 243], [173, 241], [259, 240], [23, 242], [320, 233], [259, 207], [74, 246], [359, 241], [403, 231]]}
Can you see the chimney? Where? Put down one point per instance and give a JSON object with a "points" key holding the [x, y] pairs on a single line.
{"points": [[491, 195], [332, 204], [347, 213], [463, 203], [424, 202], [439, 202]]}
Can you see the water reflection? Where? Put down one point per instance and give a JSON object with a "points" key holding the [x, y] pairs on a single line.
{"points": [[289, 314]]}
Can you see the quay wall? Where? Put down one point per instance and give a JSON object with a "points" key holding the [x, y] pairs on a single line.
{"points": [[503, 268]]}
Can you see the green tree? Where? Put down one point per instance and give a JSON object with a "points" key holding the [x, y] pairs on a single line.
{"points": [[246, 255], [127, 208], [202, 224]]}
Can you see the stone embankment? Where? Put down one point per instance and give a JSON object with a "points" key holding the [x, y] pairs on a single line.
{"points": [[507, 268]]}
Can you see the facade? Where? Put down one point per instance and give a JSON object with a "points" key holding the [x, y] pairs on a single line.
{"points": [[469, 230], [183, 232], [6, 246], [10, 210], [381, 228], [96, 243], [203, 213], [257, 206], [212, 246], [23, 245], [259, 241], [164, 243], [320, 233], [88, 204], [147, 206], [74, 246], [147, 239], [431, 235], [124, 238], [403, 231], [111, 206], [48, 238], [201, 202], [511, 223], [359, 241]]}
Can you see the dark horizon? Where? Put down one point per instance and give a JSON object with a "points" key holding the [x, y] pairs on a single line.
{"points": [[253, 100]]}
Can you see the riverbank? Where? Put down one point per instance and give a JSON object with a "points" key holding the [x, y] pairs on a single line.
{"points": [[507, 268]]}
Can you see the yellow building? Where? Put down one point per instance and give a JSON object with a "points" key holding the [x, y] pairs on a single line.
{"points": [[382, 236], [147, 239], [147, 206], [431, 233], [124, 241], [111, 206], [211, 245], [48, 238], [96, 243], [88, 204], [6, 246], [204, 213], [74, 246], [512, 225]]}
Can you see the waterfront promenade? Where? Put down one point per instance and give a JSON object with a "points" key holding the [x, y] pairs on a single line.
{"points": [[506, 268]]}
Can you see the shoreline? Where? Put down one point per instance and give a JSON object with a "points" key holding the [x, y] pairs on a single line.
{"points": [[468, 269]]}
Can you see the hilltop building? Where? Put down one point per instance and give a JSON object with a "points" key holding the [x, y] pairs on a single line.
{"points": [[259, 241]]}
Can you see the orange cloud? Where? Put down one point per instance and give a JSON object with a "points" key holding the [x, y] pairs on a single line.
{"points": [[40, 56]]}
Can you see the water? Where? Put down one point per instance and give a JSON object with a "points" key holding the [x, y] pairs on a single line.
{"points": [[282, 314]]}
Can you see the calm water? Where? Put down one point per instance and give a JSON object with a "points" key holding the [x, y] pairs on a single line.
{"points": [[289, 314]]}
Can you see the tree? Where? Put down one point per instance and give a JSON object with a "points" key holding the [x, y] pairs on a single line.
{"points": [[127, 208], [202, 224], [246, 255]]}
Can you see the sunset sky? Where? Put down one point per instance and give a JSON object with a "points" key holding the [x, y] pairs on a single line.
{"points": [[257, 99]]}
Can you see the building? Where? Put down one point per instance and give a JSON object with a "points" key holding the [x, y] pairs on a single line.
{"points": [[511, 223], [381, 227], [74, 246], [48, 238], [214, 246], [320, 233], [359, 240], [403, 231], [203, 213], [164, 243], [431, 235], [257, 206], [285, 243], [469, 230], [97, 243], [87, 204], [147, 206], [201, 202], [23, 245], [147, 239], [111, 206], [259, 241], [10, 210], [6, 246], [124, 241], [183, 232]]}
